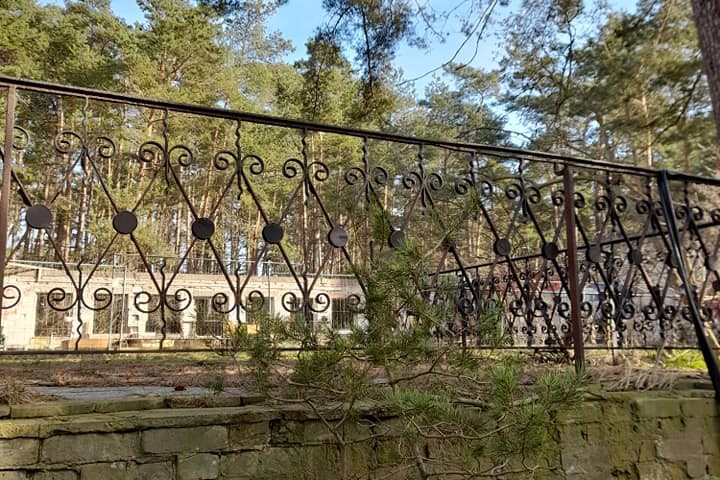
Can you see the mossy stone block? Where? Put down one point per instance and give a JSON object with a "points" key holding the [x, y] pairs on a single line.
{"points": [[185, 440], [90, 448], [656, 407], [203, 466], [18, 452]]}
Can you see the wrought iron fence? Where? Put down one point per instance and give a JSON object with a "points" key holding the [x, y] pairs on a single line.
{"points": [[552, 251]]}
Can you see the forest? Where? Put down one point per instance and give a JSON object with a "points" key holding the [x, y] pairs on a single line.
{"points": [[627, 88]]}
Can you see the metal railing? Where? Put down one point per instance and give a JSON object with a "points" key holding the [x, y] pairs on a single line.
{"points": [[557, 251]]}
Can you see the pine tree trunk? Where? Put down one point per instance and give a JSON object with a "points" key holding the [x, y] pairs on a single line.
{"points": [[83, 207], [707, 22], [648, 133]]}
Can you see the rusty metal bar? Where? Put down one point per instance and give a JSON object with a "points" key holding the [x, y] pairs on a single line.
{"points": [[214, 112], [572, 269], [5, 192], [676, 251], [580, 248], [5, 354]]}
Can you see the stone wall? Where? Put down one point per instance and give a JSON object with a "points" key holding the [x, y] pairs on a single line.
{"points": [[625, 436]]}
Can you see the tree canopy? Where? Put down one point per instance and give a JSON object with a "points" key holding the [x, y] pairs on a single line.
{"points": [[577, 76]]}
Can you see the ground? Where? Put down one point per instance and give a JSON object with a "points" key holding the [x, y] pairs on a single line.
{"points": [[28, 378]]}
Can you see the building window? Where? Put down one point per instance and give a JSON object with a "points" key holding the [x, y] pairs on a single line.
{"points": [[343, 314], [208, 321], [258, 308], [172, 318], [50, 321], [115, 314]]}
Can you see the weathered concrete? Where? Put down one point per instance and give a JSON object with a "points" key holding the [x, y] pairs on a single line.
{"points": [[249, 436], [240, 465]]}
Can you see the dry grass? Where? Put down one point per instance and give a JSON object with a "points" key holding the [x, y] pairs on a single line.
{"points": [[622, 371], [14, 392]]}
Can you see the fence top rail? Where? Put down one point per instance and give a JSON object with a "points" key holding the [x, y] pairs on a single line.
{"points": [[229, 114]]}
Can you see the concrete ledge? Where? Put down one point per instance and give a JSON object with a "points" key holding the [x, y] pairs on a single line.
{"points": [[68, 408]]}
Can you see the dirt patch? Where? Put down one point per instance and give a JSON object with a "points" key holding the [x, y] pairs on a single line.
{"points": [[216, 373], [100, 371]]}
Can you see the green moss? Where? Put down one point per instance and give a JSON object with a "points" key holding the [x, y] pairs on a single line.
{"points": [[686, 359]]}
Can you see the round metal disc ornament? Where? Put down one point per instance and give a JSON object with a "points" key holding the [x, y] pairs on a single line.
{"points": [[338, 237], [203, 228], [671, 260], [38, 216], [502, 247], [449, 244], [594, 254], [272, 233], [397, 237], [550, 251], [125, 222], [635, 257], [711, 263]]}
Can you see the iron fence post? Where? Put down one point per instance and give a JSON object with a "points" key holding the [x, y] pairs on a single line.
{"points": [[572, 269], [676, 251], [5, 192]]}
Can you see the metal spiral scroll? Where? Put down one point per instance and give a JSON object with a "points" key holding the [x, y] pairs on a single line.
{"points": [[62, 300], [177, 301], [316, 170], [225, 158], [161, 156], [426, 183], [468, 179], [294, 303], [369, 177], [355, 302], [11, 296]]}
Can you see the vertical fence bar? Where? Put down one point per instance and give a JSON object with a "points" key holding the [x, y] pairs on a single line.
{"points": [[5, 192], [676, 250], [572, 270]]}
